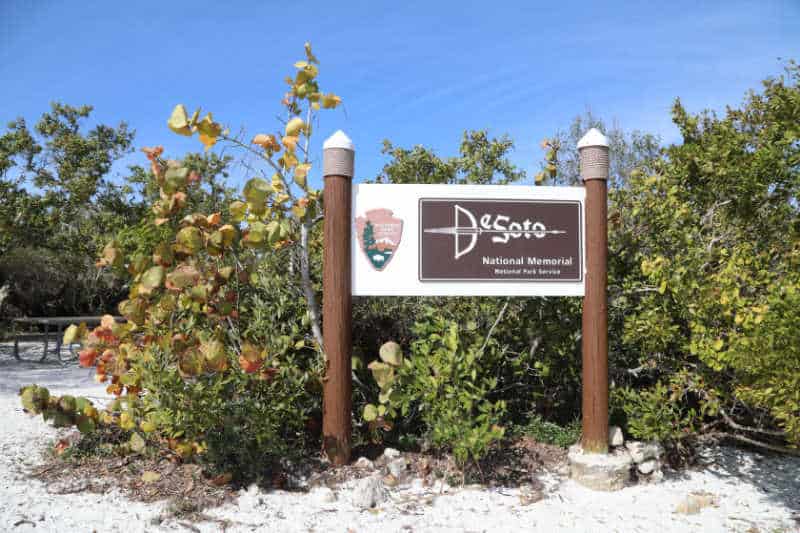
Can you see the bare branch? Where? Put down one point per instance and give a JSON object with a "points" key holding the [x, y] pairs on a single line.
{"points": [[771, 447], [734, 425], [497, 321], [308, 290]]}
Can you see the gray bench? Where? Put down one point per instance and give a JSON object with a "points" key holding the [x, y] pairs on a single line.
{"points": [[43, 332]]}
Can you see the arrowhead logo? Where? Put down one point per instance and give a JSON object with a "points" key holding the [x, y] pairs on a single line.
{"points": [[379, 234]]}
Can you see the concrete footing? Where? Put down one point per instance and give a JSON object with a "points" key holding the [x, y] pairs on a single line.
{"points": [[600, 471]]}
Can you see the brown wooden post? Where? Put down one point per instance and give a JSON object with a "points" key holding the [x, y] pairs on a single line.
{"points": [[337, 168], [593, 150]]}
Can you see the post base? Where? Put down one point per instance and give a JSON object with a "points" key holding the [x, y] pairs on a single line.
{"points": [[600, 471]]}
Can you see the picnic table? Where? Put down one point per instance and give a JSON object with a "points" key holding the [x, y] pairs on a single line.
{"points": [[58, 323]]}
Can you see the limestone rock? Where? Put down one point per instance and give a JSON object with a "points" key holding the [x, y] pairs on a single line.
{"points": [[597, 471], [695, 502], [642, 451], [615, 436], [391, 453], [648, 466], [397, 467], [363, 462], [369, 492], [529, 494]]}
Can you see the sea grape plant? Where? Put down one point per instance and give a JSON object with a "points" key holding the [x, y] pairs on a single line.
{"points": [[186, 350]]}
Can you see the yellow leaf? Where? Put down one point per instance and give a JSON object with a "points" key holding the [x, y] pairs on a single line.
{"points": [[290, 142], [179, 122], [330, 101], [288, 160], [309, 55], [294, 127], [209, 131], [663, 287], [277, 183], [300, 173], [718, 344], [195, 116], [299, 211], [150, 476]]}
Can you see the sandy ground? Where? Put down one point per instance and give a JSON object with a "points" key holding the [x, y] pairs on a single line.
{"points": [[751, 492]]}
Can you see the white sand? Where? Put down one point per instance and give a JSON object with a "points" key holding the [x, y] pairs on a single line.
{"points": [[750, 491]]}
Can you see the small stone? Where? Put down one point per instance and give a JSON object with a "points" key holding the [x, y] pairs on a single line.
{"points": [[323, 495], [368, 493], [365, 463], [529, 495], [642, 451], [656, 477], [391, 453], [695, 502], [397, 467], [615, 436], [648, 467]]}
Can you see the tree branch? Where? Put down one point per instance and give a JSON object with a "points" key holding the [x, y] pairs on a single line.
{"points": [[734, 425], [308, 290], [497, 321], [757, 443]]}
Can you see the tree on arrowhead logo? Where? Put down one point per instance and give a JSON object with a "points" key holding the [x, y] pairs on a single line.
{"points": [[379, 234]]}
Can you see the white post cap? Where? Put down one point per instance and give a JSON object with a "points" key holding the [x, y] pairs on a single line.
{"points": [[338, 155], [338, 140], [593, 137]]}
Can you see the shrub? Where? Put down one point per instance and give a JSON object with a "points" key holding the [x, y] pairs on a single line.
{"points": [[550, 433], [444, 385], [218, 358]]}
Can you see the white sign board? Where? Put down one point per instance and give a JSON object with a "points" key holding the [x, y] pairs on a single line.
{"points": [[467, 240]]}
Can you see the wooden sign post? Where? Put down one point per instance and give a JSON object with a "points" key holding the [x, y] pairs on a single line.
{"points": [[460, 240], [337, 166], [593, 150]]}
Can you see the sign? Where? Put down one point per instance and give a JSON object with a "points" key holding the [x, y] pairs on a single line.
{"points": [[460, 240]]}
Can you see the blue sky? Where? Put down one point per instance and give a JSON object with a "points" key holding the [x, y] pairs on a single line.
{"points": [[413, 72]]}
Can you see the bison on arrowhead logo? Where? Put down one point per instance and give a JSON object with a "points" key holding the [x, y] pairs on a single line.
{"points": [[379, 235]]}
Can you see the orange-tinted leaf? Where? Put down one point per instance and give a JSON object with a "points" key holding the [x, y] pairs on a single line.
{"points": [[87, 357], [154, 152], [214, 219]]}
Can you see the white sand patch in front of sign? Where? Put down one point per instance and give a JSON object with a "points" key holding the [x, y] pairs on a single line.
{"points": [[750, 491]]}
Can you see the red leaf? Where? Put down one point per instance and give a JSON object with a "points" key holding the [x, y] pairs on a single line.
{"points": [[87, 357]]}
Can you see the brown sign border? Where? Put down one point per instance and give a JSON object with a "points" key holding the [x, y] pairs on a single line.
{"points": [[581, 244]]}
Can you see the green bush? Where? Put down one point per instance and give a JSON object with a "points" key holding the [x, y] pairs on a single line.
{"points": [[704, 275], [549, 433], [444, 386]]}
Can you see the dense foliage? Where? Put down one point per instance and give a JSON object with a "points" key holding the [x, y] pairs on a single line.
{"points": [[221, 357], [57, 208], [705, 274], [217, 355]]}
